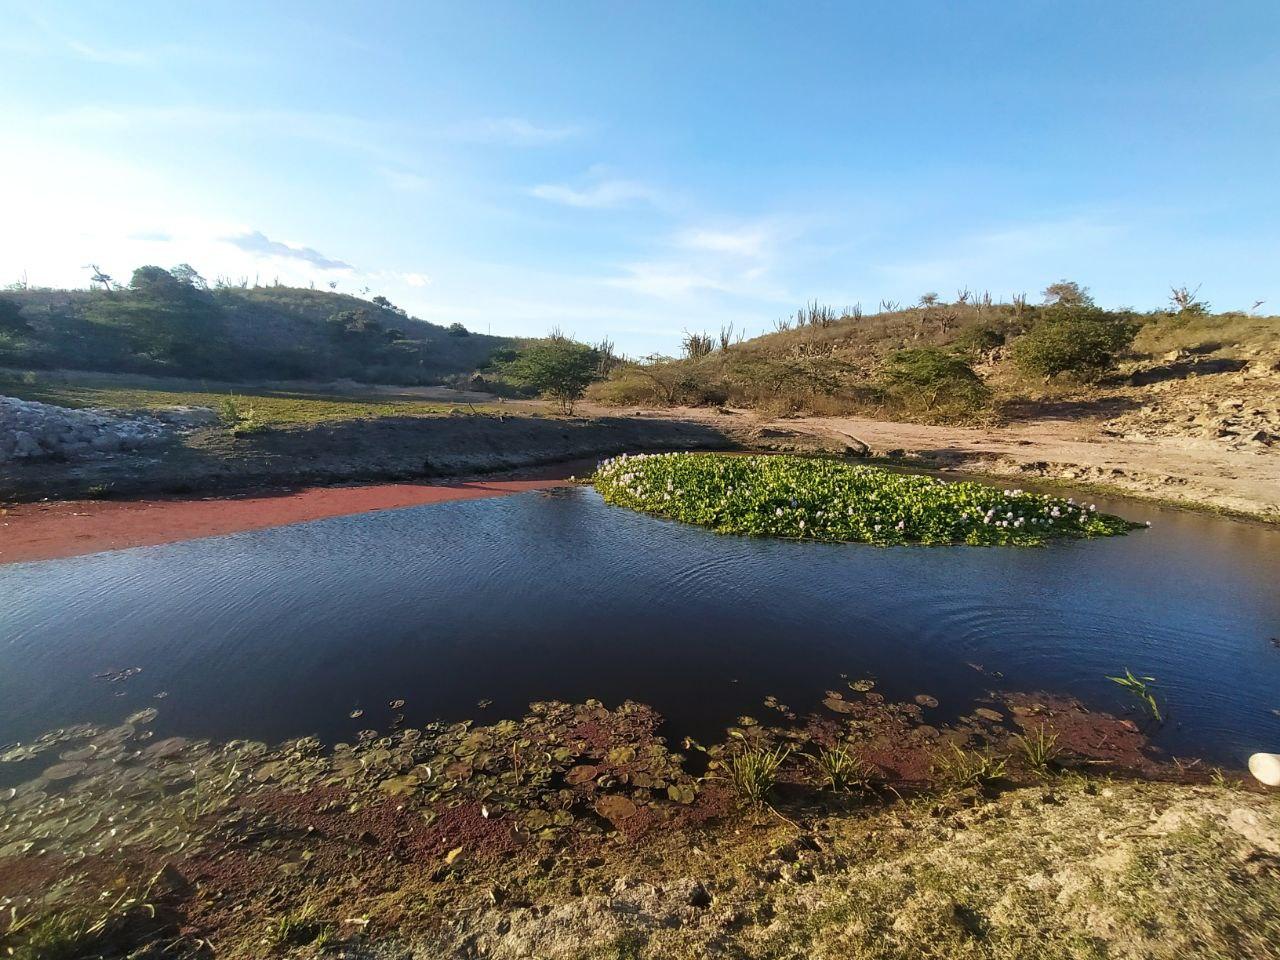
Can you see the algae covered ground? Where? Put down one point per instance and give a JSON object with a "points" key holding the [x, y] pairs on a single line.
{"points": [[814, 499], [1029, 827]]}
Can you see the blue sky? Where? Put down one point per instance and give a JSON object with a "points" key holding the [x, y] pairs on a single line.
{"points": [[635, 170]]}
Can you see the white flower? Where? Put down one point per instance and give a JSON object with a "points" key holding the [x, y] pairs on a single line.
{"points": [[778, 512]]}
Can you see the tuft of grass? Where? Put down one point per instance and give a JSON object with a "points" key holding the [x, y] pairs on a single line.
{"points": [[753, 772], [1140, 687], [958, 768], [1039, 749], [84, 930], [840, 769], [299, 928]]}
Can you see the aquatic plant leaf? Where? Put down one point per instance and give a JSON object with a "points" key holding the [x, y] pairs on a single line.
{"points": [[682, 792], [619, 756], [840, 706], [614, 807], [61, 771]]}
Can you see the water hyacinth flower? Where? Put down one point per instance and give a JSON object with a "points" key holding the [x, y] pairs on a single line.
{"points": [[737, 494]]}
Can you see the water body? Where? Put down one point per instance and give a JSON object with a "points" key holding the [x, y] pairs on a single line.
{"points": [[554, 595]]}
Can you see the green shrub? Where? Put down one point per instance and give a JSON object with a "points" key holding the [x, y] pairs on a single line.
{"points": [[238, 417], [557, 368], [1080, 341], [932, 379], [977, 341], [11, 319]]}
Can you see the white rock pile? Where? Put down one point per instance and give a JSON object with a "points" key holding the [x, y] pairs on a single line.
{"points": [[40, 431]]}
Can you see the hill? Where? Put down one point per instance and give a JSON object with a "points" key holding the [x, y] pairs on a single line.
{"points": [[172, 323], [974, 360]]}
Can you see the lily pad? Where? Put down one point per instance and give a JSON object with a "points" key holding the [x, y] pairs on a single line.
{"points": [[621, 755], [925, 700], [682, 792], [398, 786], [615, 808], [168, 747], [584, 773], [840, 706], [65, 770]]}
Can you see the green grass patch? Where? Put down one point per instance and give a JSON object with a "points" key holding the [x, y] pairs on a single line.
{"points": [[810, 499], [271, 407]]}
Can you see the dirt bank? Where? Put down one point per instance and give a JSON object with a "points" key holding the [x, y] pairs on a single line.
{"points": [[386, 449], [1197, 473]]}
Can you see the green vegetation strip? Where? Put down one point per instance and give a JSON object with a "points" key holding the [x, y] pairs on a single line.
{"points": [[271, 407], [799, 498]]}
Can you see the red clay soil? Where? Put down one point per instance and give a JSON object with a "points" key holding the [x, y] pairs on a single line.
{"points": [[69, 528]]}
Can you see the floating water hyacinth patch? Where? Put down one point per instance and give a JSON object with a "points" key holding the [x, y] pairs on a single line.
{"points": [[800, 498]]}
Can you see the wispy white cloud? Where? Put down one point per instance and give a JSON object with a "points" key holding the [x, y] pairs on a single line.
{"points": [[405, 181], [665, 280], [513, 131], [1004, 254], [118, 56], [602, 194], [418, 280], [753, 241], [737, 259], [258, 243], [355, 134]]}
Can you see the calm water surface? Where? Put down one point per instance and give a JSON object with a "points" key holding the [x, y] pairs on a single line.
{"points": [[280, 633]]}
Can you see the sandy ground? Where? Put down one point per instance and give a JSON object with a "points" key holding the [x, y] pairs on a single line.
{"points": [[1197, 473]]}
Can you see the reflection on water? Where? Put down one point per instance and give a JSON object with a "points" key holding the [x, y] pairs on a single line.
{"points": [[279, 633]]}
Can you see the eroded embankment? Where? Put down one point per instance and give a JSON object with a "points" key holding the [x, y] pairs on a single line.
{"points": [[47, 516], [387, 449]]}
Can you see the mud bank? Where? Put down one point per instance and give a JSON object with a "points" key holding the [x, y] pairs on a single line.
{"points": [[70, 528], [386, 449]]}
